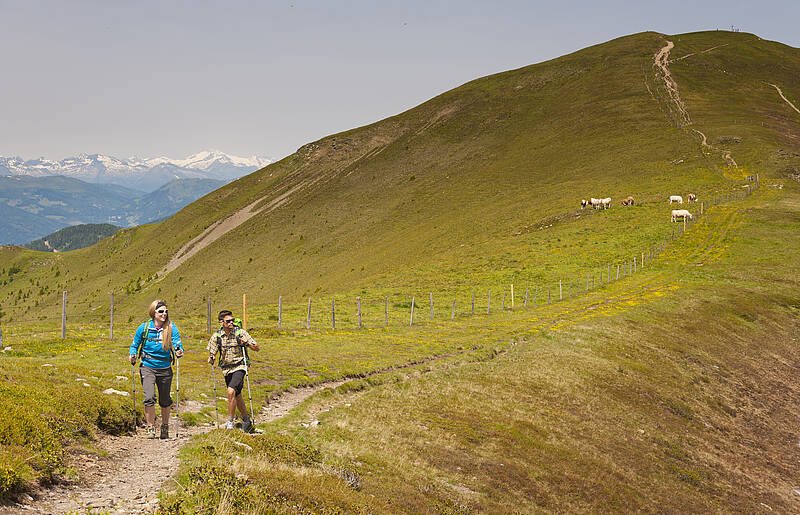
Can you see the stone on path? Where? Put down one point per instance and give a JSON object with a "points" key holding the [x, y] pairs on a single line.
{"points": [[111, 391]]}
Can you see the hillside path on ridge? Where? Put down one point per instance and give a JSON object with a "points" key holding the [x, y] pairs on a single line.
{"points": [[784, 98], [129, 478], [661, 61], [220, 228]]}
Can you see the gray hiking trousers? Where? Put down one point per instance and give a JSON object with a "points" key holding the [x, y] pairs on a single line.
{"points": [[156, 377]]}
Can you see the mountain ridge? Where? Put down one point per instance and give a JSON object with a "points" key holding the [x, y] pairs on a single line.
{"points": [[461, 179], [148, 174]]}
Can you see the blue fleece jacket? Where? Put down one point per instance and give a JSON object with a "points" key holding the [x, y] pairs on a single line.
{"points": [[153, 354]]}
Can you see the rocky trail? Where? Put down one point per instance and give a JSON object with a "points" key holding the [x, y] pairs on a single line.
{"points": [[127, 472]]}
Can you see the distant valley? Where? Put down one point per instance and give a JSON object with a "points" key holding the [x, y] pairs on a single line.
{"points": [[40, 196], [32, 207]]}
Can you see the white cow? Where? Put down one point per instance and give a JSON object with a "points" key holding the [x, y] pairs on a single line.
{"points": [[675, 198], [681, 213], [595, 202], [606, 202]]}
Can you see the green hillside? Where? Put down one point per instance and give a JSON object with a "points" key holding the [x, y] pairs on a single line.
{"points": [[673, 389], [73, 237], [451, 182]]}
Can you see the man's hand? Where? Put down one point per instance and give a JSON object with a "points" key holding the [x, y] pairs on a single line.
{"points": [[253, 346], [132, 359], [211, 360]]}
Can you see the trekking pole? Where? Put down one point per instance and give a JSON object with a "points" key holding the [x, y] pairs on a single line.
{"points": [[249, 395], [178, 397], [216, 403], [133, 382]]}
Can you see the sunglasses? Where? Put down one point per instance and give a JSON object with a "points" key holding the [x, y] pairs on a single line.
{"points": [[160, 311], [228, 321]]}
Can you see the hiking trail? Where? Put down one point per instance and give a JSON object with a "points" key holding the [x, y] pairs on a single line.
{"points": [[127, 473], [784, 98]]}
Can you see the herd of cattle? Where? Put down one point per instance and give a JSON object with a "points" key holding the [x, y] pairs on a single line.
{"points": [[605, 203]]}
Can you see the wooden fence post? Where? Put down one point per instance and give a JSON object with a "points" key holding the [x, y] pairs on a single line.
{"points": [[617, 272], [512, 296], [412, 311], [244, 311], [525, 304], [489, 308], [503, 304], [386, 311], [111, 319], [587, 281], [535, 294], [560, 296], [308, 316], [453, 314], [333, 314], [358, 299], [64, 315], [208, 313], [548, 293], [473, 303], [280, 311], [431, 294]]}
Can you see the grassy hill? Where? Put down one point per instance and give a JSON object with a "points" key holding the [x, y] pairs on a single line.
{"points": [[73, 237], [454, 179], [470, 192]]}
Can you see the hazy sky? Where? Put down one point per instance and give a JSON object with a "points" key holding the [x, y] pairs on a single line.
{"points": [[174, 77]]}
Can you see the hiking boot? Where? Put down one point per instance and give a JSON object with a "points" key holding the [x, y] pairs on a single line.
{"points": [[247, 425], [164, 432], [229, 424], [151, 432]]}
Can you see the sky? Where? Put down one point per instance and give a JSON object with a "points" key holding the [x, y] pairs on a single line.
{"points": [[171, 78]]}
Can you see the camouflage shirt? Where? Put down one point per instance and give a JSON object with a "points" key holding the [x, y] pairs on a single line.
{"points": [[231, 352]]}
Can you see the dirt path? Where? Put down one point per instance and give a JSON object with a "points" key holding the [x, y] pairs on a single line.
{"points": [[127, 479], [219, 229], [661, 61], [784, 98]]}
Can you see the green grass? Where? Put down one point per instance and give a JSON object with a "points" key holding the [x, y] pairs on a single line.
{"points": [[646, 402], [637, 396]]}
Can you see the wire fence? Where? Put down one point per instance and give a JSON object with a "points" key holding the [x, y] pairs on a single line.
{"points": [[369, 311]]}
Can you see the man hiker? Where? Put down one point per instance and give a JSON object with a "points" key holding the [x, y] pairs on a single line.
{"points": [[231, 343]]}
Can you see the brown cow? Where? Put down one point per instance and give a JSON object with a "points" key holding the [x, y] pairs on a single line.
{"points": [[691, 197], [627, 201]]}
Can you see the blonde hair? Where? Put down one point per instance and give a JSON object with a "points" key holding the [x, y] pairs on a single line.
{"points": [[166, 335]]}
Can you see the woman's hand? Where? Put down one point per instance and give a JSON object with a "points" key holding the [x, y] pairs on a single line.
{"points": [[132, 359], [179, 353]]}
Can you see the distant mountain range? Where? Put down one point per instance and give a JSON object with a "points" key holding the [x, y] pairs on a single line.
{"points": [[140, 174], [31, 207]]}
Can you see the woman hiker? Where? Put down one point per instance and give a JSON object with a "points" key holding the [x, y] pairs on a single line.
{"points": [[232, 343], [155, 342]]}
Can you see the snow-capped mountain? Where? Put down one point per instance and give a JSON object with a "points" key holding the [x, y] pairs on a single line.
{"points": [[142, 174]]}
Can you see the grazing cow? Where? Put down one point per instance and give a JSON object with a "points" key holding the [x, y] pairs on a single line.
{"points": [[691, 197], [606, 202], [595, 202], [681, 213], [583, 203], [627, 201], [675, 198]]}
